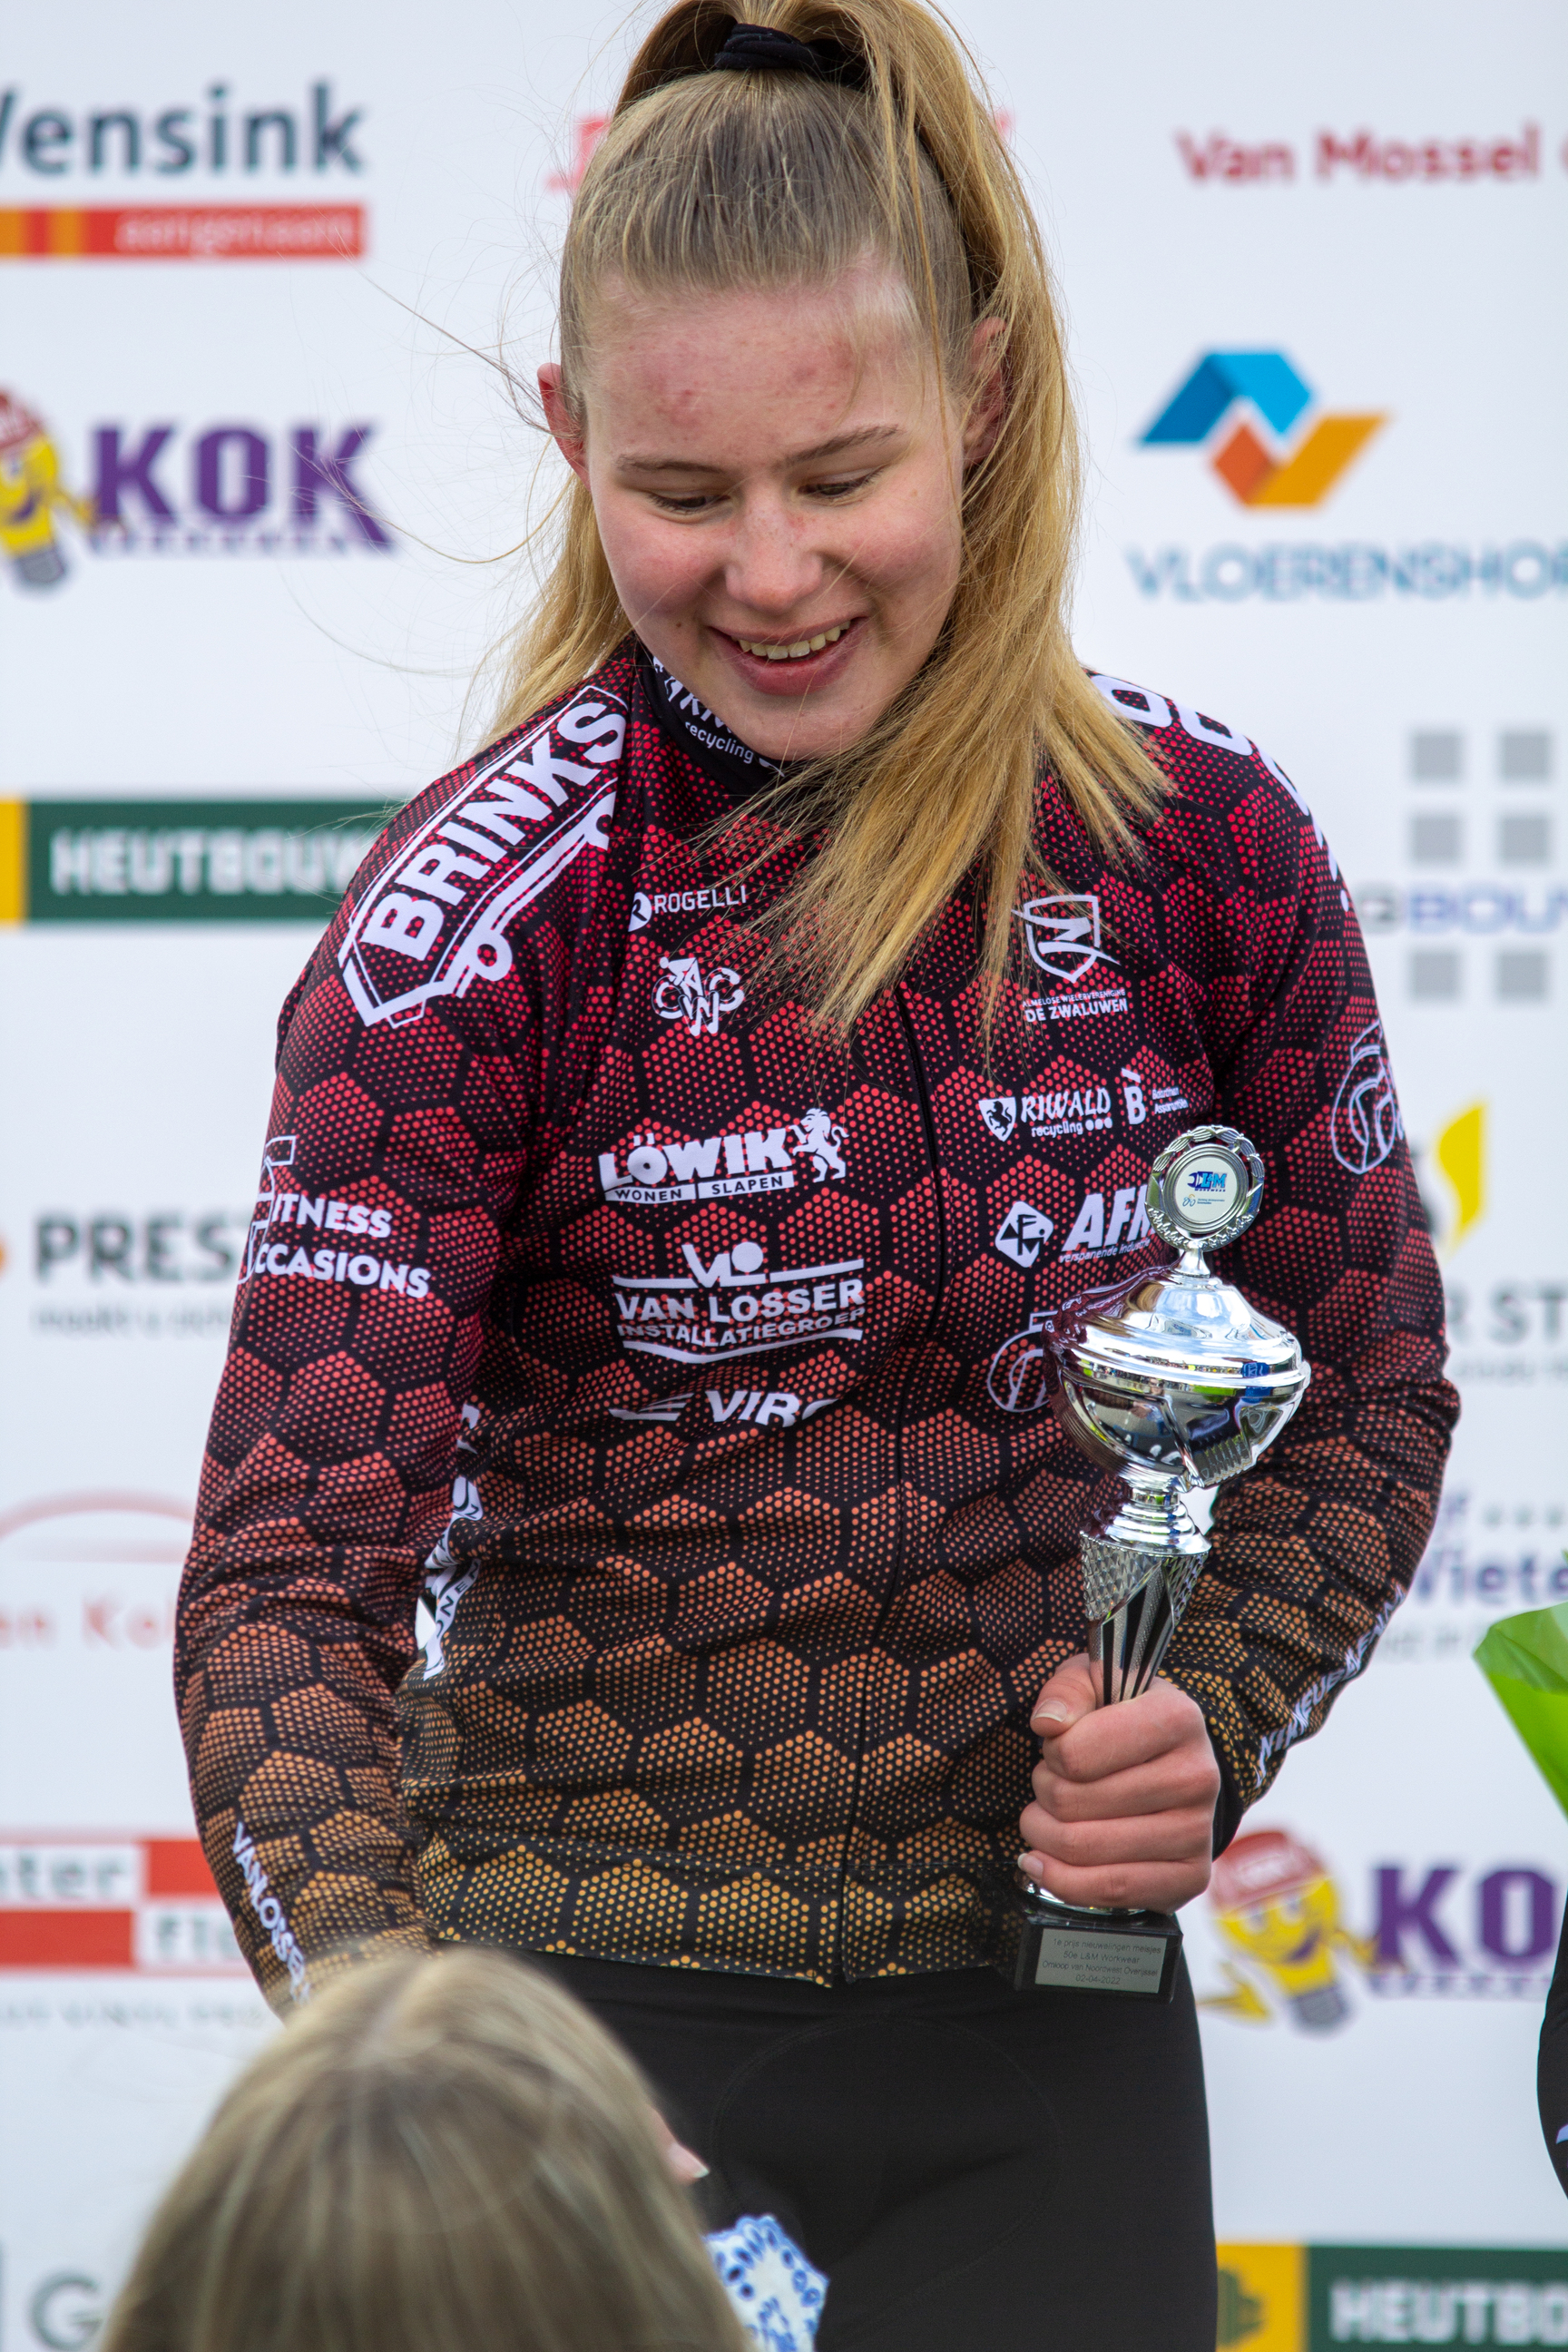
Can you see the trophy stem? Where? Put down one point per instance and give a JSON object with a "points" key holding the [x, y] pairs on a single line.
{"points": [[1139, 1569], [1126, 1646]]}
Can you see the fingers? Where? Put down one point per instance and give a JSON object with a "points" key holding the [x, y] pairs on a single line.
{"points": [[685, 2165], [1124, 1797], [1067, 1698], [1129, 1886], [1175, 1835], [1138, 1731], [1186, 1775]]}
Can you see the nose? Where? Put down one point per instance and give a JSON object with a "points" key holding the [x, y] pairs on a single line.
{"points": [[771, 565]]}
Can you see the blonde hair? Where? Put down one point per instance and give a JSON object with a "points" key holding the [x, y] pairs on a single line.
{"points": [[725, 179], [440, 2155]]}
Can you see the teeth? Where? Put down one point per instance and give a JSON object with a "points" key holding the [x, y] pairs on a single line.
{"points": [[798, 651]]}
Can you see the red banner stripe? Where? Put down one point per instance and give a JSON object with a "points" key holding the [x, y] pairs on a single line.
{"points": [[65, 1939], [182, 233], [178, 1866]]}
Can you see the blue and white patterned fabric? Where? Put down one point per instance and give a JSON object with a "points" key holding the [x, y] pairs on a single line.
{"points": [[777, 2295]]}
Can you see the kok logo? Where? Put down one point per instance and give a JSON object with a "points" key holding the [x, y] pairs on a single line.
{"points": [[1260, 473], [818, 1138], [1000, 1113], [1023, 1233], [31, 494], [684, 995], [1063, 935], [1367, 1121]]}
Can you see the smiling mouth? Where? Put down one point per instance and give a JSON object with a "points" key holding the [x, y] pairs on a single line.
{"points": [[797, 648]]}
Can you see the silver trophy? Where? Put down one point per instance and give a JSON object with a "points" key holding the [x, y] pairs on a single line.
{"points": [[1173, 1381]]}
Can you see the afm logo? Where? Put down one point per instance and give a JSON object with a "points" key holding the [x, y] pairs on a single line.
{"points": [[1260, 468]]}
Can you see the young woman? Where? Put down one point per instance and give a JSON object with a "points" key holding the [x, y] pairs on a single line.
{"points": [[446, 2155], [696, 1098]]}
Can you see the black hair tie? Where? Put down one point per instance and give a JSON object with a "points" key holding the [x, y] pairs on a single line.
{"points": [[758, 49]]}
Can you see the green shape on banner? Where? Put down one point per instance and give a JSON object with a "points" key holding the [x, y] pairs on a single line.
{"points": [[1525, 1659], [210, 861]]}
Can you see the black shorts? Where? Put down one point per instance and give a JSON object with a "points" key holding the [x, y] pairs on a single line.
{"points": [[975, 2169]]}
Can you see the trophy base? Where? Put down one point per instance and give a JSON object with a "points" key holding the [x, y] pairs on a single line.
{"points": [[1130, 1954]]}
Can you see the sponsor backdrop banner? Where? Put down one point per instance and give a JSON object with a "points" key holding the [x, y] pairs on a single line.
{"points": [[261, 466]]}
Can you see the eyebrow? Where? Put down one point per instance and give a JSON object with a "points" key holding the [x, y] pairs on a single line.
{"points": [[836, 447]]}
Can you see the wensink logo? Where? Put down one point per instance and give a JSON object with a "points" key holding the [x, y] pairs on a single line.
{"points": [[1261, 468]]}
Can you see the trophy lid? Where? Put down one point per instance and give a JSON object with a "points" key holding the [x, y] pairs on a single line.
{"points": [[1182, 1323], [1172, 1377], [1205, 1189]]}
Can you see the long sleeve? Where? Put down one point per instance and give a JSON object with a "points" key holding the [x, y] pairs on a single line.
{"points": [[391, 1165], [1315, 1547]]}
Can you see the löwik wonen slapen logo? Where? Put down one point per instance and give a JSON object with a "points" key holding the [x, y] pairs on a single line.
{"points": [[1223, 403]]}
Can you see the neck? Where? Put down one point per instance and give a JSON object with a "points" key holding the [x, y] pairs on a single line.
{"points": [[705, 738]]}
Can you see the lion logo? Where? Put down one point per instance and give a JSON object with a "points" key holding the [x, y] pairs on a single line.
{"points": [[817, 1137]]}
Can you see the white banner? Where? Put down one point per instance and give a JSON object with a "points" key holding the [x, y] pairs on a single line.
{"points": [[250, 454]]}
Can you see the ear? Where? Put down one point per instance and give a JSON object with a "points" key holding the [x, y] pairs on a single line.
{"points": [[567, 432], [988, 402]]}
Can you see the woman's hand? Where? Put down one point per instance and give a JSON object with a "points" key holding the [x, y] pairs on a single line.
{"points": [[1124, 1796], [685, 2165]]}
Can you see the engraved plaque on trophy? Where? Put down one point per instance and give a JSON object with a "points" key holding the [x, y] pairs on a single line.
{"points": [[1174, 1382]]}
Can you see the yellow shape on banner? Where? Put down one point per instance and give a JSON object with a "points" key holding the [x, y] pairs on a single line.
{"points": [[1460, 1153], [1318, 464], [13, 861], [1262, 2298], [65, 234]]}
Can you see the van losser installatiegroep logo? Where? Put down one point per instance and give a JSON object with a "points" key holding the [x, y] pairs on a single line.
{"points": [[1244, 407]]}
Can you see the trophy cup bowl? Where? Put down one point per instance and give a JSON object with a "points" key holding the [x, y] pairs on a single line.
{"points": [[1173, 1380]]}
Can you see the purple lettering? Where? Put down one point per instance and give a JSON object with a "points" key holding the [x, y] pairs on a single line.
{"points": [[1541, 1921], [320, 472], [119, 471], [1399, 1914], [246, 473]]}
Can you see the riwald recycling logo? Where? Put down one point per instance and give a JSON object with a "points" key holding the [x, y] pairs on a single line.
{"points": [[1243, 408]]}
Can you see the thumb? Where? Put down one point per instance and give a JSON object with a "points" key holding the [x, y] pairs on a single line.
{"points": [[1065, 1699], [685, 2165]]}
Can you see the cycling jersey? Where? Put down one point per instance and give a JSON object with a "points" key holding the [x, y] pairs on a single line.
{"points": [[632, 1525]]}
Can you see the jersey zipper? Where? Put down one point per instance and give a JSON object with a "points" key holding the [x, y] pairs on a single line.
{"points": [[928, 1126]]}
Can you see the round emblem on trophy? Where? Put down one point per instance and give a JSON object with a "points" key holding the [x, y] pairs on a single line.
{"points": [[1205, 1189]]}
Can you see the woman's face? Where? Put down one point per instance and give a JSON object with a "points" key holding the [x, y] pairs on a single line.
{"points": [[777, 492]]}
